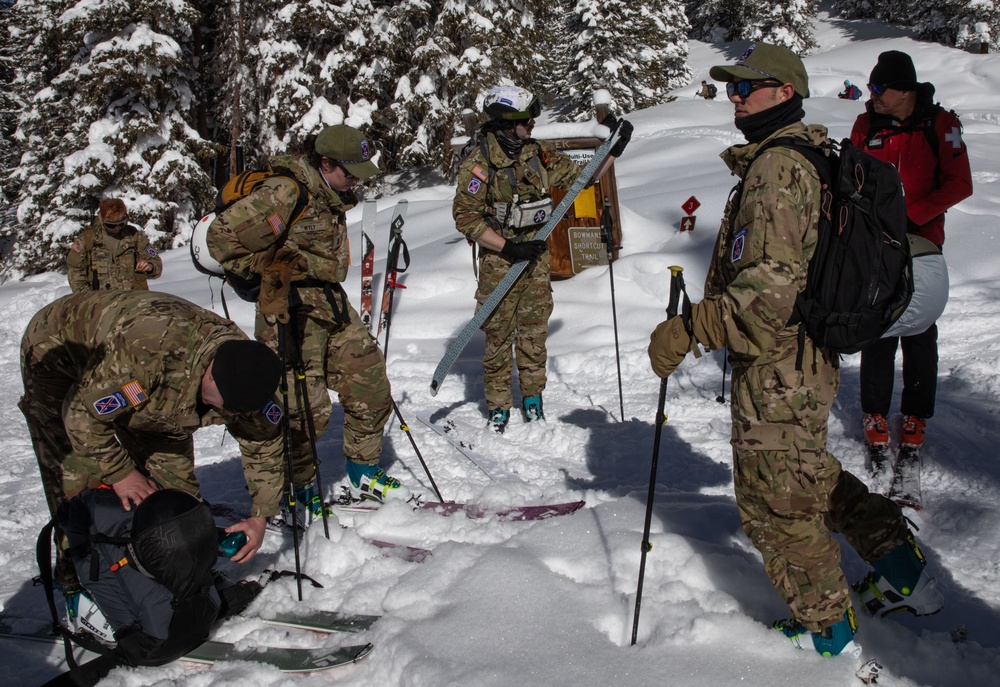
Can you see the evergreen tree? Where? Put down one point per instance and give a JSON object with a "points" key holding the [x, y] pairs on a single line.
{"points": [[781, 23], [465, 48], [963, 23], [115, 122], [637, 50]]}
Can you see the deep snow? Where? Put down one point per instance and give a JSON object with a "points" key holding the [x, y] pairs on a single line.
{"points": [[550, 603]]}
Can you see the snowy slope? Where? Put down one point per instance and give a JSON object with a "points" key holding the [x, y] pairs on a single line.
{"points": [[551, 603]]}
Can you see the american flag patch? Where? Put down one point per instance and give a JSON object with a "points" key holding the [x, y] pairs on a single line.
{"points": [[76, 247], [478, 172], [134, 392], [277, 226]]}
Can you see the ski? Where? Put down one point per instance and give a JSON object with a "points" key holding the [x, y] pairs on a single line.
{"points": [[367, 261], [905, 488], [411, 554], [288, 660], [453, 431], [392, 267], [877, 461], [500, 292], [473, 511], [319, 621]]}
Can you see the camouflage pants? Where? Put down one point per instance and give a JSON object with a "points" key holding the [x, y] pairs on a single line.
{"points": [[344, 358], [792, 493], [518, 328], [49, 382]]}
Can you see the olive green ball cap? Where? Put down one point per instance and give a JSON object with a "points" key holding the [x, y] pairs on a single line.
{"points": [[349, 148], [764, 61]]}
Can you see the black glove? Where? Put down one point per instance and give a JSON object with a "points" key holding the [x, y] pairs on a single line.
{"points": [[624, 136], [527, 250]]}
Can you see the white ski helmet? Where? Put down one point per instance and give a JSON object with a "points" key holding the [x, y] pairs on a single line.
{"points": [[203, 260], [511, 103]]}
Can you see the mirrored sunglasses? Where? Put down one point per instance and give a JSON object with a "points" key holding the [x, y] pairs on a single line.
{"points": [[745, 88]]}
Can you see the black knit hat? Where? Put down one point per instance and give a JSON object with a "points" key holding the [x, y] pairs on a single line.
{"points": [[895, 69], [247, 375]]}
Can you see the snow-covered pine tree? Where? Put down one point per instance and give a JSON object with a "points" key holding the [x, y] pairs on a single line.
{"points": [[966, 24], [962, 23], [467, 47], [115, 121], [777, 22], [10, 109], [635, 49]]}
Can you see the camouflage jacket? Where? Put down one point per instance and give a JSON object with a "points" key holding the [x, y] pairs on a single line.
{"points": [[99, 261], [258, 221], [138, 358], [476, 197], [762, 253]]}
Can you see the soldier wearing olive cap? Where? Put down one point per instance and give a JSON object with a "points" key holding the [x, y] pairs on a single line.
{"points": [[303, 264], [792, 493]]}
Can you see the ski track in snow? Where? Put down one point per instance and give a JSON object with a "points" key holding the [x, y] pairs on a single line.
{"points": [[551, 602]]}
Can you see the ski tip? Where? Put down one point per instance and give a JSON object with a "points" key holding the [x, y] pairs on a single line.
{"points": [[435, 385]]}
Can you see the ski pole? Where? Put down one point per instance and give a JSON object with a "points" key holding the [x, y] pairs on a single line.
{"points": [[606, 238], [300, 385], [676, 289], [406, 429], [385, 323], [721, 398], [287, 431]]}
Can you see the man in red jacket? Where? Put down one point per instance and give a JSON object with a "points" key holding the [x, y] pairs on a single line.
{"points": [[902, 125]]}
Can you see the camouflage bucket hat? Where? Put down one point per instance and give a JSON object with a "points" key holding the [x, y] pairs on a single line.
{"points": [[349, 148], [764, 61]]}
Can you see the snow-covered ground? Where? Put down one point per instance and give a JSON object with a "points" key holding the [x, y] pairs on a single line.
{"points": [[551, 602]]}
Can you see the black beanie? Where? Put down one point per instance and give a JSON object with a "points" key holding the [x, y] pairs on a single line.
{"points": [[247, 374], [895, 69]]}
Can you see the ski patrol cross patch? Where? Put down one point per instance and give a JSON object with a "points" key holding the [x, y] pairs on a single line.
{"points": [[739, 243], [272, 411], [954, 137], [474, 186]]}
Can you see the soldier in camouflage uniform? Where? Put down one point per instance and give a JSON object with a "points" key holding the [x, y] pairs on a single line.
{"points": [[791, 492], [112, 254], [304, 264], [115, 385], [502, 200]]}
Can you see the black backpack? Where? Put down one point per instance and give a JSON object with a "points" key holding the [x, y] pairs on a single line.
{"points": [[712, 90], [860, 277], [148, 570]]}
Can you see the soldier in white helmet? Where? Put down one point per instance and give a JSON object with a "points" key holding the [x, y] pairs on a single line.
{"points": [[502, 200]]}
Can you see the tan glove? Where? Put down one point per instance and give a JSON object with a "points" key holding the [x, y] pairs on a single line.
{"points": [[706, 325], [278, 268], [668, 344]]}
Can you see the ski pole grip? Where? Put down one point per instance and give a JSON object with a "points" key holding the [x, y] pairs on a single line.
{"points": [[676, 287]]}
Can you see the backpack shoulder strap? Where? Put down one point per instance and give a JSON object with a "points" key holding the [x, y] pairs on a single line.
{"points": [[303, 199]]}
